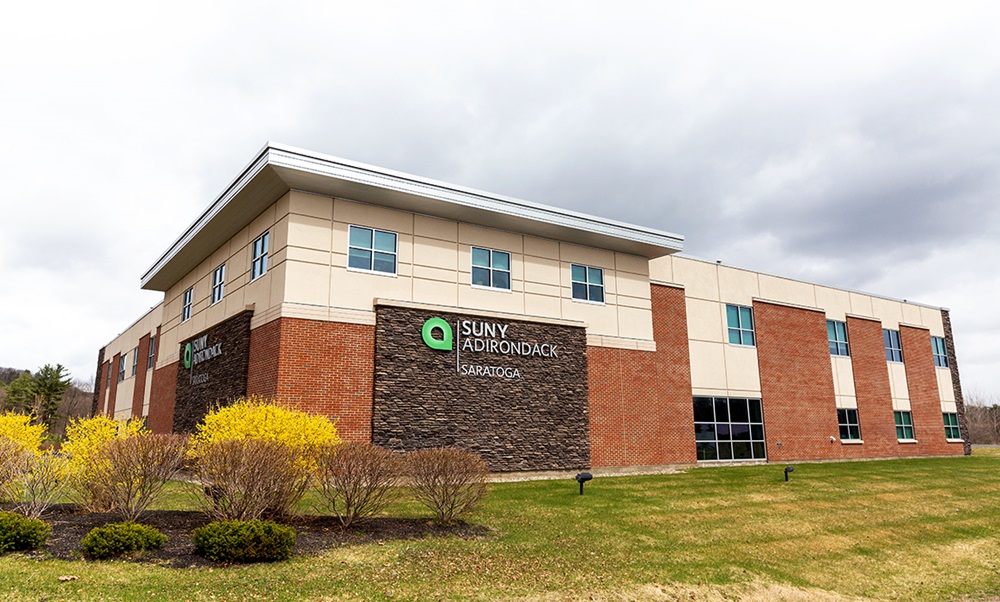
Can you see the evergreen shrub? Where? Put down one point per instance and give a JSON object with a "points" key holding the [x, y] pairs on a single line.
{"points": [[233, 542], [117, 539], [18, 533]]}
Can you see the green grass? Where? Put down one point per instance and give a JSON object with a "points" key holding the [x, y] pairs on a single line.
{"points": [[886, 530]]}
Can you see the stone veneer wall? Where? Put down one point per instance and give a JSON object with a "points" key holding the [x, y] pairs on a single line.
{"points": [[538, 421], [99, 384], [227, 373], [113, 393], [956, 381]]}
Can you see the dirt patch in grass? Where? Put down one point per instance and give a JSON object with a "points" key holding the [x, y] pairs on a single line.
{"points": [[313, 533]]}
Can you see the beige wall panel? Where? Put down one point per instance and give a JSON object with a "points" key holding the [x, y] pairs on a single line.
{"points": [[633, 302], [219, 257], [372, 216], [310, 232], [903, 405], [436, 292], [216, 313], [843, 375], [234, 301], [545, 271], [709, 392], [538, 305], [432, 227], [836, 304], [298, 254], [425, 273], [258, 292], [600, 319], [700, 279], [169, 348], [307, 283], [948, 406], [278, 239], [931, 318], [260, 224], [469, 234], [358, 290], [570, 253], [737, 286], [897, 380], [708, 365], [404, 254], [632, 285], [705, 320], [632, 264], [635, 323], [282, 206], [945, 389], [847, 401], [889, 312], [493, 300], [861, 305], [662, 269], [741, 368], [278, 279], [541, 247], [911, 314], [238, 266], [311, 205], [436, 254], [787, 291], [534, 288]]}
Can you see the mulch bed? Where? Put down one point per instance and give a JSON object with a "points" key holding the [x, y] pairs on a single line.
{"points": [[313, 533]]}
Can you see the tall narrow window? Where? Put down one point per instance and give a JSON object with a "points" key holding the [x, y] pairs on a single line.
{"points": [[135, 360], [186, 304], [218, 283], [850, 429], [371, 250], [836, 332], [121, 367], [151, 360], [588, 283], [940, 352], [893, 345], [951, 430], [490, 268], [258, 256], [740, 321], [904, 425]]}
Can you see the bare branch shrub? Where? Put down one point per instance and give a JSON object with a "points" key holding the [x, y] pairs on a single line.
{"points": [[33, 482], [448, 481], [246, 479], [358, 479], [11, 463], [133, 471]]}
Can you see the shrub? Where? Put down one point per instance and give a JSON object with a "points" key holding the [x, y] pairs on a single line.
{"points": [[239, 541], [84, 438], [247, 479], [116, 539], [131, 472], [448, 481], [32, 483], [260, 418], [358, 479], [18, 533], [18, 428]]}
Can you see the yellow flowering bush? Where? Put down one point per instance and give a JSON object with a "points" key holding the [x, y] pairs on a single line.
{"points": [[18, 428], [84, 439], [257, 417]]}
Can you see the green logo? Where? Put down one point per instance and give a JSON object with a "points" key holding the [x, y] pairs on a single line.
{"points": [[187, 356], [443, 343]]}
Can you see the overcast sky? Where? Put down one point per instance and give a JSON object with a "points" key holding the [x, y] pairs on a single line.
{"points": [[854, 145]]}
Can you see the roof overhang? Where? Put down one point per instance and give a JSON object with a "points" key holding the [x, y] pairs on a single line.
{"points": [[279, 168]]}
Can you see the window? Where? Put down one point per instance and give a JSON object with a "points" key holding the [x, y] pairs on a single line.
{"points": [[371, 250], [490, 268], [740, 324], [258, 256], [850, 429], [728, 429], [904, 425], [951, 430], [893, 346], [836, 332], [151, 361], [135, 360], [121, 367], [218, 283], [109, 378], [940, 352], [186, 304], [588, 283]]}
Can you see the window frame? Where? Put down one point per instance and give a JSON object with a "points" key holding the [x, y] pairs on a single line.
{"points": [[151, 358], [890, 336], [218, 283], [725, 438], [838, 347], [259, 250], [844, 422], [903, 425], [491, 271], [739, 329], [951, 429], [939, 349], [372, 251], [187, 304], [122, 360], [590, 287], [135, 360]]}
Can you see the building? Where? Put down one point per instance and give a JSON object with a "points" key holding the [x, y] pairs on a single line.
{"points": [[418, 313]]}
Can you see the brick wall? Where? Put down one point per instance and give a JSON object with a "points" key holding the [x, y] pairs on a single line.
{"points": [[640, 401], [265, 346], [162, 395], [101, 388], [113, 393], [925, 400], [871, 387], [139, 389]]}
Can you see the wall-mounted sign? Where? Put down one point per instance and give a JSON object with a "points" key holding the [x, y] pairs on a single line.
{"points": [[481, 337]]}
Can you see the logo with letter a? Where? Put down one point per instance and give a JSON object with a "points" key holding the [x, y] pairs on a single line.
{"points": [[442, 343]]}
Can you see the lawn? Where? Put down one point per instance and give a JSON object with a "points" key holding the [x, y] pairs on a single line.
{"points": [[886, 530]]}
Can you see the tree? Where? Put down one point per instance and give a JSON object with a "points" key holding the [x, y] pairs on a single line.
{"points": [[20, 394], [50, 384]]}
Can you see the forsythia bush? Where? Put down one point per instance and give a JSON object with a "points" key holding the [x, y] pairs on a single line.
{"points": [[258, 417], [84, 439], [18, 428]]}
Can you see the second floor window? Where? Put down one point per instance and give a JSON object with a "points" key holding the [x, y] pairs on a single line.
{"points": [[258, 256], [186, 304], [121, 367], [893, 345], [135, 360], [151, 361], [490, 268], [588, 283], [218, 283], [940, 352], [371, 250], [836, 332], [740, 322]]}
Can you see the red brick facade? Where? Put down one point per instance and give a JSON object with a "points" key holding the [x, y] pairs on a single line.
{"points": [[113, 393], [139, 389], [104, 387], [162, 395], [265, 346], [640, 401], [871, 388], [925, 400]]}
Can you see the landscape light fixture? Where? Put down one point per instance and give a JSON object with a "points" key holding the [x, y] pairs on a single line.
{"points": [[583, 477], [788, 469]]}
